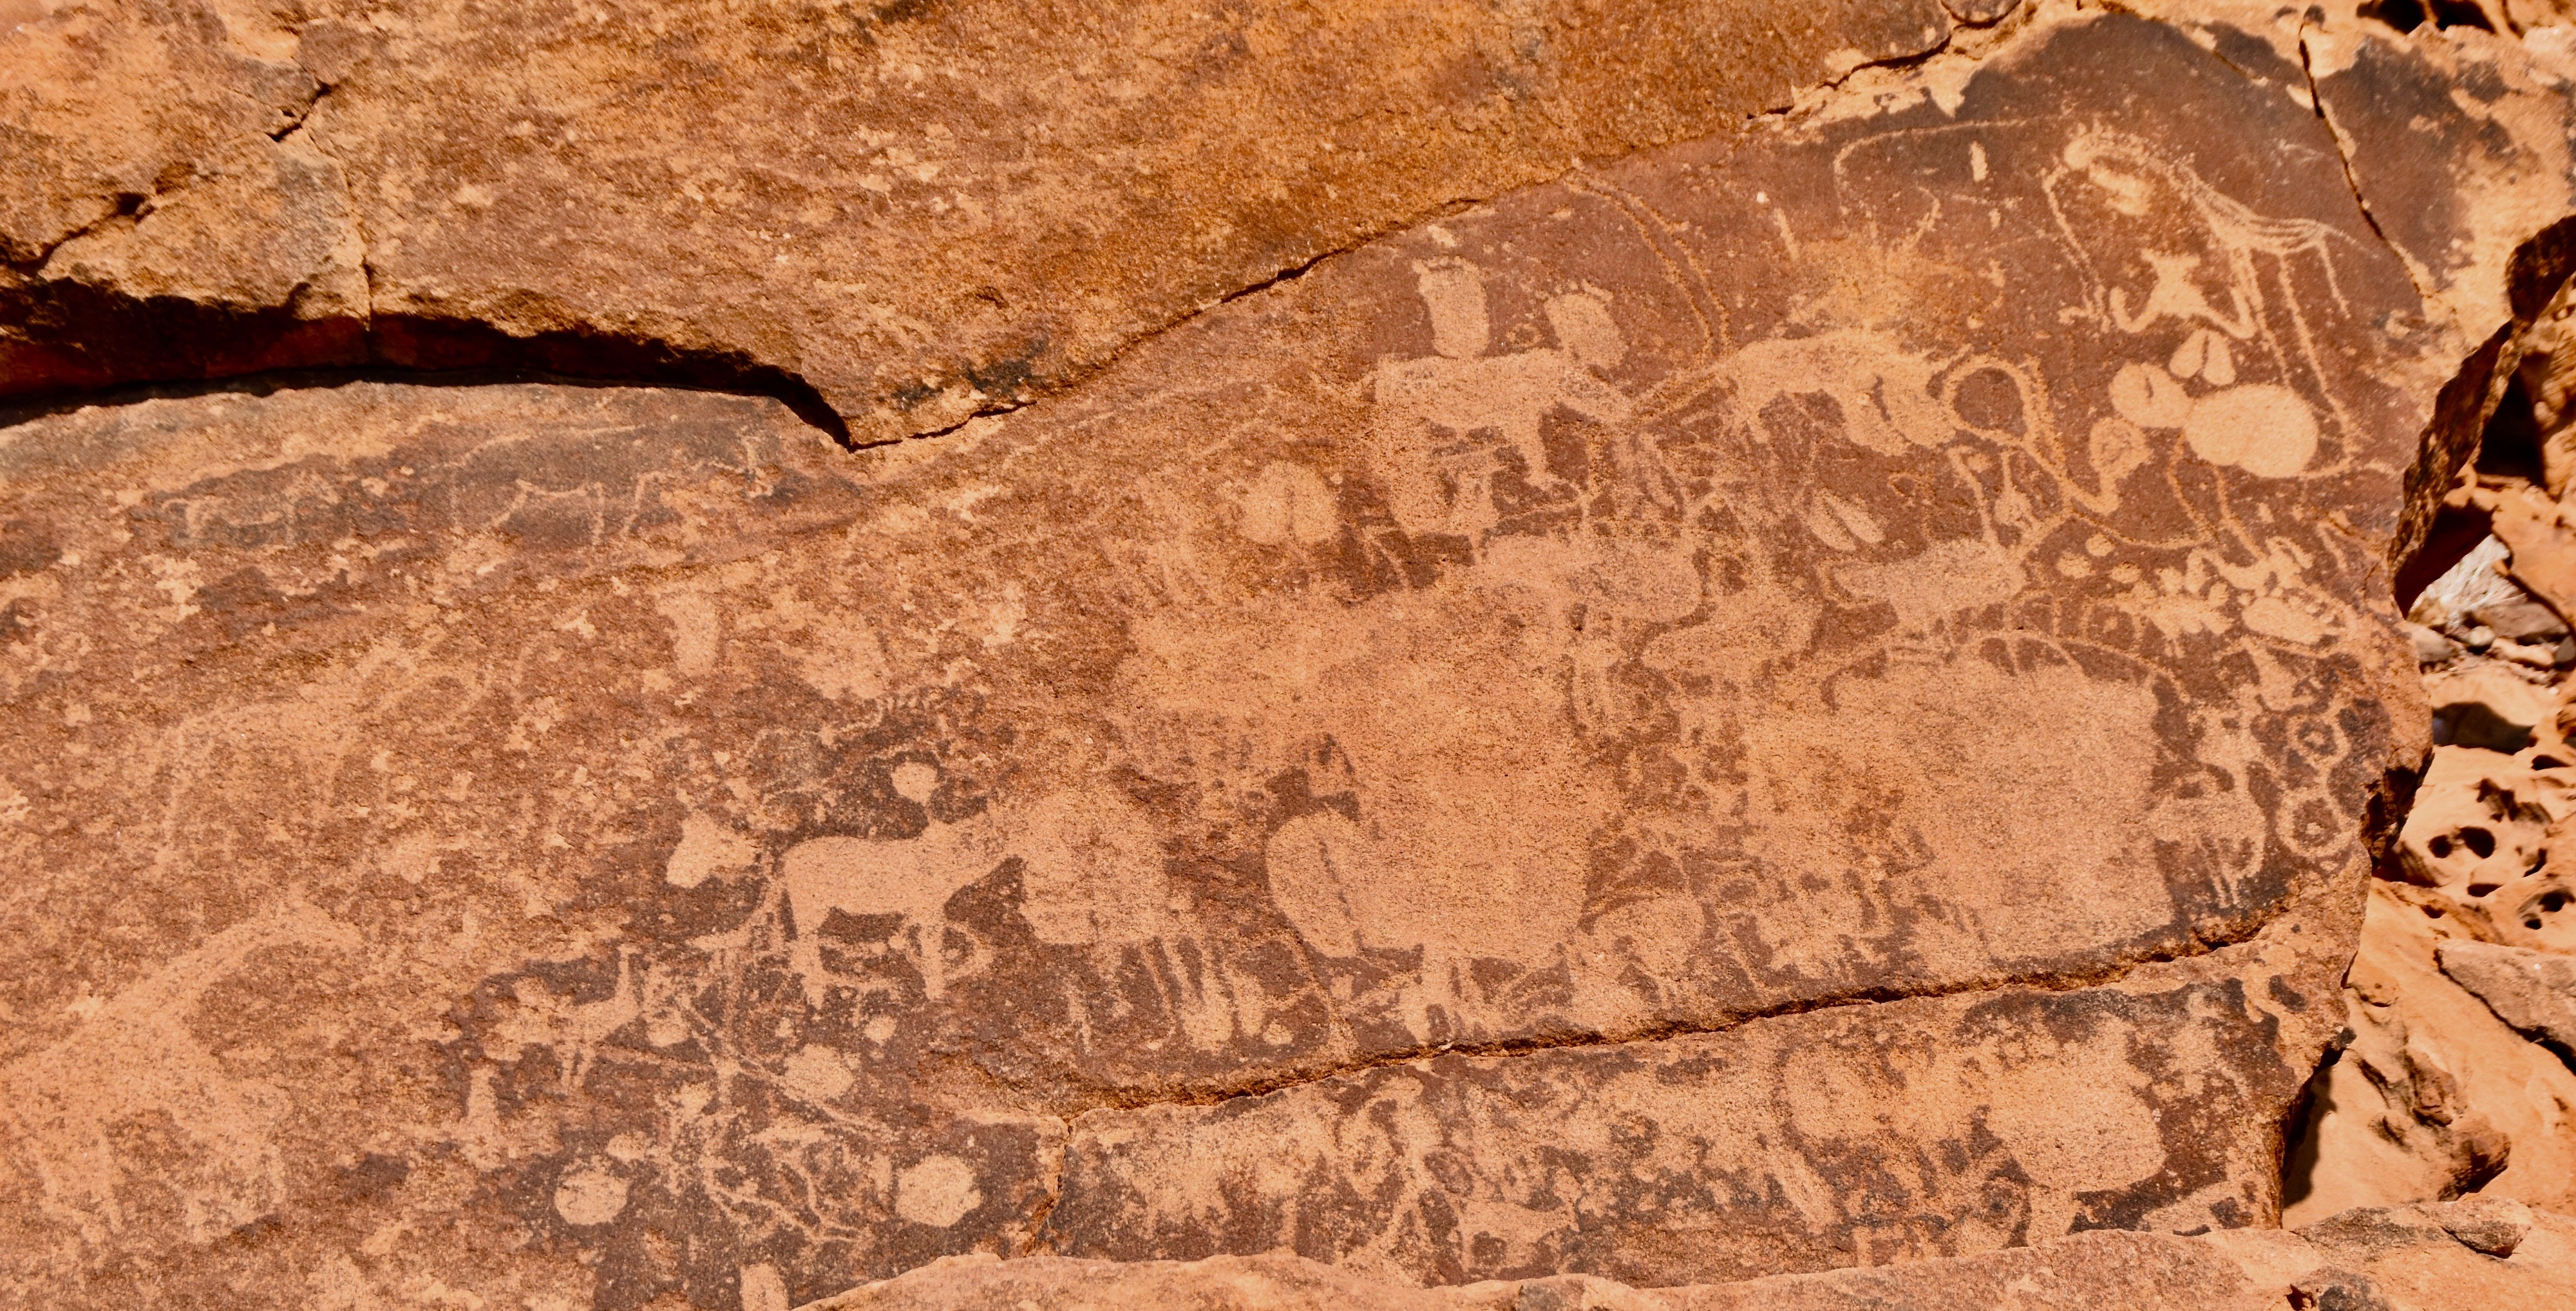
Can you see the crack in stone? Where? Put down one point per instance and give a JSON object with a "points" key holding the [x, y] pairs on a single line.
{"points": [[16, 413], [837, 428], [1798, 101], [1038, 1242], [2343, 157], [1826, 90], [2067, 980], [131, 207], [1030, 1243], [1287, 274], [303, 116]]}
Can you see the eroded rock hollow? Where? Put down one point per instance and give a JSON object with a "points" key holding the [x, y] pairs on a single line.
{"points": [[676, 655]]}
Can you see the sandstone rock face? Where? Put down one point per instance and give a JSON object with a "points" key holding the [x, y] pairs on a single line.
{"points": [[2445, 1085], [2434, 1096], [1388, 771], [904, 213], [1806, 713], [2470, 1256]]}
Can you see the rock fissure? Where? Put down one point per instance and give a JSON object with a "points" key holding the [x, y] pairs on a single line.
{"points": [[1283, 276], [156, 338], [131, 207], [1826, 90], [2107, 975], [2343, 158], [296, 121], [19, 413]]}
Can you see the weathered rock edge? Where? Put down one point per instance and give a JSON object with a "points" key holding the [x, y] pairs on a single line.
{"points": [[2474, 1255]]}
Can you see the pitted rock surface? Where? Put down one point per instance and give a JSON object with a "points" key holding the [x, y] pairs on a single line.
{"points": [[601, 844], [2452, 1079]]}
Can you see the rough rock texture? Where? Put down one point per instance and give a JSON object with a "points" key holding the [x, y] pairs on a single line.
{"points": [[2444, 1086], [2464, 1256], [1815, 694], [618, 835], [909, 211], [2433, 1096], [2534, 991]]}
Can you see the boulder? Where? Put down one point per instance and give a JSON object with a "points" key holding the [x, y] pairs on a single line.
{"points": [[1586, 735], [1815, 694]]}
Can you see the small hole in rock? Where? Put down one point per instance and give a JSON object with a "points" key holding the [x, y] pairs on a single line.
{"points": [[2479, 842], [2482, 889], [2554, 902], [2532, 923], [2459, 13], [2431, 912], [2510, 445], [2440, 847], [2404, 15], [2547, 762]]}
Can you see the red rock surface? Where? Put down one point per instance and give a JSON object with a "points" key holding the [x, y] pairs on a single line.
{"points": [[1692, 696], [2461, 1255]]}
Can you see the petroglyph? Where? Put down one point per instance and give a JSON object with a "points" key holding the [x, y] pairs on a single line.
{"points": [[1091, 872], [907, 880], [1430, 409], [131, 1068], [1979, 1123], [1880, 393], [1820, 565]]}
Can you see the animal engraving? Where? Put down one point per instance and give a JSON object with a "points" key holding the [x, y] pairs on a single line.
{"points": [[907, 880], [1427, 407]]}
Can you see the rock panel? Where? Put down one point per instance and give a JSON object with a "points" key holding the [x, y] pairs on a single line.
{"points": [[609, 843], [1853, 1136]]}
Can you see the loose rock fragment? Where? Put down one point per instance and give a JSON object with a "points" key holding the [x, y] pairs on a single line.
{"points": [[2534, 991], [2493, 1225]]}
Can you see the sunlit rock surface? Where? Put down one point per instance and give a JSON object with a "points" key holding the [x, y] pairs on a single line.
{"points": [[1821, 692]]}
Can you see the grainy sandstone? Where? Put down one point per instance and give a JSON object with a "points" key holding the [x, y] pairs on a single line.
{"points": [[2461, 1256], [1702, 695], [916, 211], [2534, 991]]}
